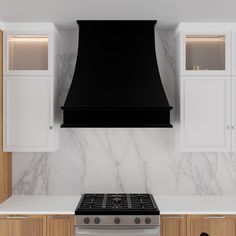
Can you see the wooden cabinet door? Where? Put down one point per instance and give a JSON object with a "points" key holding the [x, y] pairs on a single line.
{"points": [[6, 227], [29, 226], [207, 226], [173, 225], [22, 226], [58, 225], [206, 113]]}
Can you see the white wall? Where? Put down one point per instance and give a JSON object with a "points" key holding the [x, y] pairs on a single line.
{"points": [[122, 160]]}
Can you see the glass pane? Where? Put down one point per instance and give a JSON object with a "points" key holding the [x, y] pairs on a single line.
{"points": [[28, 52], [205, 52]]}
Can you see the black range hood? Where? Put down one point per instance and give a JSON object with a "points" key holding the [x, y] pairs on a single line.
{"points": [[116, 81]]}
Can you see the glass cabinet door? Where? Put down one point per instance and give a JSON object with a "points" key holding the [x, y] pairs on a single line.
{"points": [[27, 54], [205, 54]]}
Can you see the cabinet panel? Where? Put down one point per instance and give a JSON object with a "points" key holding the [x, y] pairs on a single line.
{"points": [[5, 175], [173, 226], [28, 113], [29, 227], [233, 113], [206, 114], [6, 227], [60, 225], [211, 225], [22, 225]]}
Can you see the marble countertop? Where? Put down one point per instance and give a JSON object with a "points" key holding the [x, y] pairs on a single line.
{"points": [[174, 205], [40, 205], [196, 205]]}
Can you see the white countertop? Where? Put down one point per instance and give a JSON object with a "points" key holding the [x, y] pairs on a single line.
{"points": [[40, 205], [65, 205], [195, 205]]}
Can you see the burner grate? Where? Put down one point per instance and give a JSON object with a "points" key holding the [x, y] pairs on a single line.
{"points": [[117, 202], [92, 201], [141, 201]]}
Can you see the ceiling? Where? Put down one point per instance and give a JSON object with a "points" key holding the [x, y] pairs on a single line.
{"points": [[64, 13]]}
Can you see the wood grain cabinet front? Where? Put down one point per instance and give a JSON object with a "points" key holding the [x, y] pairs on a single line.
{"points": [[20, 225], [211, 225], [173, 225], [60, 225]]}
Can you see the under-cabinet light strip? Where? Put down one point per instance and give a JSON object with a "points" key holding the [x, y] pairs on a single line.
{"points": [[220, 39], [28, 39]]}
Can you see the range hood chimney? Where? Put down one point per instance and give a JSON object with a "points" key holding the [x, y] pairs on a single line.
{"points": [[116, 81]]}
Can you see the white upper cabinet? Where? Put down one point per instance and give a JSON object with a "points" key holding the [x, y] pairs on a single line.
{"points": [[205, 53], [29, 88], [28, 113], [206, 113], [206, 87]]}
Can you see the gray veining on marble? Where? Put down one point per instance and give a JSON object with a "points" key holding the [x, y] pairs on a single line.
{"points": [[122, 160]]}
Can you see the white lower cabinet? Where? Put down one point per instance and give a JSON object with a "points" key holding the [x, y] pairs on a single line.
{"points": [[205, 113], [29, 114]]}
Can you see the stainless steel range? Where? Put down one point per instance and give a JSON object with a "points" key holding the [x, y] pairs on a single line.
{"points": [[117, 214]]}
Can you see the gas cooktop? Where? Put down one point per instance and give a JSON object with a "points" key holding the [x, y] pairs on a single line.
{"points": [[117, 204]]}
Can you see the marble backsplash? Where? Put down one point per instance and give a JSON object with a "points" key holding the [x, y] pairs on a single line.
{"points": [[122, 160]]}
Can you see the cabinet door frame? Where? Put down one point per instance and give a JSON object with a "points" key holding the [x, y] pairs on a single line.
{"points": [[226, 80], [50, 70], [6, 146], [227, 70]]}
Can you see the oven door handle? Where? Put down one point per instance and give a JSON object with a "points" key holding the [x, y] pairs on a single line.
{"points": [[114, 232]]}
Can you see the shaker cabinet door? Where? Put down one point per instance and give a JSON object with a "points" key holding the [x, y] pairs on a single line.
{"points": [[17, 225], [173, 225], [204, 226], [28, 113], [206, 114], [32, 226], [6, 227], [59, 225]]}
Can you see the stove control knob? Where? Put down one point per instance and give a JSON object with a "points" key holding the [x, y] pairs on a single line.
{"points": [[148, 220], [86, 220], [137, 220], [96, 220], [117, 220]]}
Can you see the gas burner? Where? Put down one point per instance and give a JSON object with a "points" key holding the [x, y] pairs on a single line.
{"points": [[92, 201], [117, 211], [109, 204]]}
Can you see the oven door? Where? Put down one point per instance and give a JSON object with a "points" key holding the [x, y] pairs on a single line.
{"points": [[117, 232]]}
